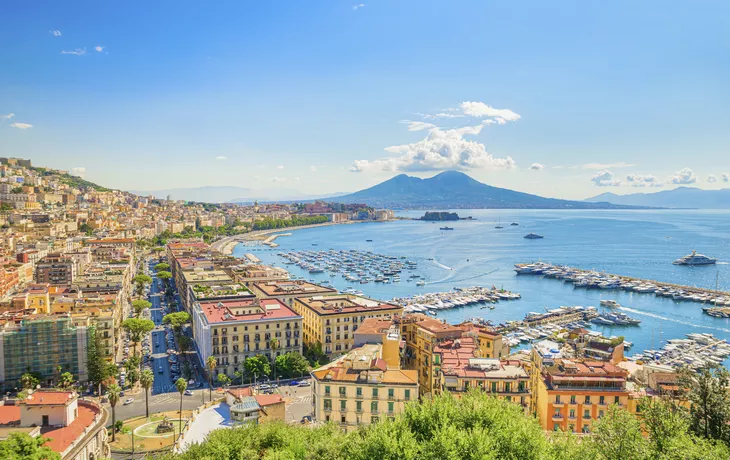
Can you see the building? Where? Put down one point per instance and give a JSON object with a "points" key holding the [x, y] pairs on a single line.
{"points": [[75, 428], [40, 344], [249, 274], [233, 330], [270, 407], [361, 388], [287, 291], [330, 321], [57, 269]]}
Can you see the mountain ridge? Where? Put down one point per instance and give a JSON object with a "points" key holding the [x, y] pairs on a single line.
{"points": [[680, 198]]}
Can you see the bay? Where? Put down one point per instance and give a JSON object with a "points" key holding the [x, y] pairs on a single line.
{"points": [[635, 243]]}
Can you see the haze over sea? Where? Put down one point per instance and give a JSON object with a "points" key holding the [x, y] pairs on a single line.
{"points": [[635, 243]]}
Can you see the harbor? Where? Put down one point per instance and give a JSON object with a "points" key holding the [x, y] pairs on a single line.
{"points": [[432, 302], [591, 279], [696, 351]]}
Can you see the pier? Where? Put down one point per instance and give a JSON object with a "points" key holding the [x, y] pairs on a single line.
{"points": [[592, 279]]}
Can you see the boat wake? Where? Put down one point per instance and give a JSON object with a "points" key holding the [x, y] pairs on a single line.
{"points": [[722, 263], [440, 265], [663, 318]]}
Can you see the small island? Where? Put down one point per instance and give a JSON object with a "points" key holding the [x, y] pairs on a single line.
{"points": [[441, 216]]}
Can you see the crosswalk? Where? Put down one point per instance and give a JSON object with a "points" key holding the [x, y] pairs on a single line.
{"points": [[164, 398]]}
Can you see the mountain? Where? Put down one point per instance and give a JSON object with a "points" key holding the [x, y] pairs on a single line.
{"points": [[682, 197], [453, 189]]}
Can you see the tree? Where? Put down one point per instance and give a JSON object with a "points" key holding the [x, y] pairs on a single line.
{"points": [[292, 364], [66, 380], [139, 305], [211, 363], [162, 267], [224, 380], [95, 364], [113, 394], [138, 328], [140, 282], [238, 375], [22, 446], [29, 381], [274, 345], [181, 386], [176, 320], [164, 276], [257, 366], [146, 379], [617, 436], [132, 375], [709, 395]]}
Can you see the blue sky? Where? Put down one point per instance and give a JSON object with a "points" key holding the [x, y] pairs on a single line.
{"points": [[308, 96]]}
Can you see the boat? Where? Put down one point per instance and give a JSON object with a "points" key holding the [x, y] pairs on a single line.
{"points": [[533, 236], [499, 224], [446, 228], [610, 303], [369, 241], [514, 224], [695, 259], [602, 320], [421, 283]]}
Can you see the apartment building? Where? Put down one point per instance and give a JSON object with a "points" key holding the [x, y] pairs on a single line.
{"points": [[287, 291], [331, 320], [249, 274], [235, 329], [57, 269], [361, 388]]}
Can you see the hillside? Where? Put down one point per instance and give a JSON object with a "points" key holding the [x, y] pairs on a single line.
{"points": [[452, 189], [682, 197]]}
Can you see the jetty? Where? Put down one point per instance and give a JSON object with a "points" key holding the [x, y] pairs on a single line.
{"points": [[270, 240], [591, 279]]}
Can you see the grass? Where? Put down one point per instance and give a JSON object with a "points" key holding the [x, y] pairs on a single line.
{"points": [[146, 438]]}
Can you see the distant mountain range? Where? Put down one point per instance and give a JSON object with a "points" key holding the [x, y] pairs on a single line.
{"points": [[682, 197], [453, 189]]}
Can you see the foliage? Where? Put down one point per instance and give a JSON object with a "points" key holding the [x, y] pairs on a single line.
{"points": [[113, 393], [66, 380], [163, 266], [224, 380], [618, 436], [176, 320], [29, 381], [133, 375], [138, 328], [210, 363], [291, 364], [140, 282], [257, 366], [146, 379], [709, 395], [139, 305], [315, 355], [22, 446], [294, 221], [164, 276]]}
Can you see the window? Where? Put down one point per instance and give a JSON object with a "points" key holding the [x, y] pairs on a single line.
{"points": [[571, 428], [602, 400], [557, 399], [616, 400], [375, 392], [588, 400], [506, 387], [587, 414], [391, 393], [572, 399], [494, 387], [374, 407], [327, 404], [556, 427], [45, 420], [373, 419], [572, 413], [600, 414], [408, 395], [391, 407], [358, 406], [358, 391], [343, 405], [343, 419], [343, 391], [326, 390]]}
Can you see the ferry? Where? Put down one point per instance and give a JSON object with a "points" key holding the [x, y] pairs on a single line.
{"points": [[695, 259], [446, 228]]}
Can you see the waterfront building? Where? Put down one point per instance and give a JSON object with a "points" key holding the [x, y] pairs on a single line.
{"points": [[330, 321], [287, 291], [361, 388], [249, 274], [235, 329]]}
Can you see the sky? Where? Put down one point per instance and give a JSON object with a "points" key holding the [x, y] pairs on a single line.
{"points": [[564, 99]]}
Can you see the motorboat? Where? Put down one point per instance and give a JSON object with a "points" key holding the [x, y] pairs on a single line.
{"points": [[446, 228], [610, 303], [695, 259], [533, 236]]}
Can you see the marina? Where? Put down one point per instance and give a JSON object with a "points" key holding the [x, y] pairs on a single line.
{"points": [[460, 297], [696, 351], [592, 279]]}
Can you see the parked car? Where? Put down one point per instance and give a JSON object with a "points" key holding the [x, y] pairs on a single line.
{"points": [[188, 393], [306, 419], [264, 386], [293, 383], [128, 401], [304, 383]]}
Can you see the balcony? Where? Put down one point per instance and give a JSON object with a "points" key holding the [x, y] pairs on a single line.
{"points": [[358, 396], [558, 404], [557, 417], [391, 397]]}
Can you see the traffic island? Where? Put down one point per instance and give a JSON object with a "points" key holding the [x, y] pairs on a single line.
{"points": [[156, 433]]}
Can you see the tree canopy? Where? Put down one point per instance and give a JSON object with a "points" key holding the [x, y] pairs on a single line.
{"points": [[22, 446], [176, 320], [291, 364], [138, 328], [257, 366]]}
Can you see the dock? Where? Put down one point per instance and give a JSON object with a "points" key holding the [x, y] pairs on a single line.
{"points": [[459, 297]]}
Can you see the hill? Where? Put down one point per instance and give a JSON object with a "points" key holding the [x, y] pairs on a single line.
{"points": [[682, 197], [453, 189]]}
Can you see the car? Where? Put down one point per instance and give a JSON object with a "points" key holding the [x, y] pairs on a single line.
{"points": [[304, 383], [159, 370], [293, 383], [274, 385], [128, 401], [306, 419], [264, 386], [188, 393]]}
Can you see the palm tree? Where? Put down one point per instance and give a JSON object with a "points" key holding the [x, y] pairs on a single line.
{"points": [[113, 394], [211, 362], [146, 379], [181, 386], [274, 344]]}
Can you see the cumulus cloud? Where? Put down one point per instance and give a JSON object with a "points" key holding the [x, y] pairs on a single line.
{"points": [[725, 177], [7, 117], [313, 168], [76, 52], [99, 48], [442, 149], [280, 167], [537, 166], [221, 157], [643, 180], [78, 171], [55, 32], [602, 166], [358, 6], [684, 176], [712, 178], [418, 125], [21, 125], [605, 178], [481, 110]]}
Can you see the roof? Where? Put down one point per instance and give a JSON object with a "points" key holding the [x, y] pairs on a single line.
{"points": [[247, 404], [9, 415], [224, 311], [62, 438], [364, 365], [49, 398], [291, 288], [337, 304], [432, 325], [239, 392], [374, 326], [268, 400]]}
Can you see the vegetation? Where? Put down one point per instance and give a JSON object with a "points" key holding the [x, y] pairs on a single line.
{"points": [[315, 355], [140, 282], [181, 385], [176, 320], [22, 446], [295, 221], [291, 364], [66, 380], [113, 394], [138, 328], [210, 363], [96, 366], [709, 395], [139, 305], [29, 381], [224, 380], [257, 366], [162, 266]]}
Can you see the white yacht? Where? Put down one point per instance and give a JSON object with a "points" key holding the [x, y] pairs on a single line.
{"points": [[695, 259]]}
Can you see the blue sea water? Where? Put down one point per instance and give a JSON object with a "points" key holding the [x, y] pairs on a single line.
{"points": [[634, 243]]}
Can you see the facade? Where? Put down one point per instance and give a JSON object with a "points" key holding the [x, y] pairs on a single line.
{"points": [[361, 388], [331, 320], [287, 291], [233, 330]]}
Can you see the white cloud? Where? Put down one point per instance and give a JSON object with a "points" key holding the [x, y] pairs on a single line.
{"points": [[79, 171], [358, 6], [449, 114], [313, 168], [712, 178], [221, 157], [601, 166], [296, 178], [725, 177], [99, 48], [7, 117], [537, 166], [55, 32], [76, 52], [643, 180], [481, 110], [418, 125], [683, 177], [605, 179], [280, 167], [21, 125], [278, 179], [442, 149]]}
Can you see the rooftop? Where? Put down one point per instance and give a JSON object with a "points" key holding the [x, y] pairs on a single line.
{"points": [[432, 325], [217, 276], [335, 304], [245, 309], [364, 365], [49, 398], [288, 288]]}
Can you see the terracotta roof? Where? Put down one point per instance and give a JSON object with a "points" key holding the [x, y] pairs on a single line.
{"points": [[49, 398], [62, 438], [239, 392], [268, 400], [9, 415], [270, 309]]}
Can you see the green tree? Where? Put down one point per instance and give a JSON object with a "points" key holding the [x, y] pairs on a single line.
{"points": [[113, 394], [257, 366], [146, 379], [709, 395], [177, 320], [138, 328], [181, 386], [274, 345], [22, 446], [617, 436], [162, 267], [139, 305], [210, 363], [140, 282], [29, 381], [66, 380], [165, 277], [95, 363], [224, 380], [292, 364]]}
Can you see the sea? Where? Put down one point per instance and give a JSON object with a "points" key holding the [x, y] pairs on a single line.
{"points": [[635, 243]]}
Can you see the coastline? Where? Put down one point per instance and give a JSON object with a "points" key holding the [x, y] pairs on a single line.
{"points": [[226, 245]]}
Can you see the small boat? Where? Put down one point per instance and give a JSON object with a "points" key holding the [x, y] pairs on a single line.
{"points": [[446, 228], [514, 224], [610, 303], [533, 236], [421, 283], [369, 241], [499, 224]]}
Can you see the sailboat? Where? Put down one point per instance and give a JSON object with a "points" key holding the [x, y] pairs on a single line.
{"points": [[499, 223]]}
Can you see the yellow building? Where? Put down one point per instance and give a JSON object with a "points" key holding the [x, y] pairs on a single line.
{"points": [[287, 291], [360, 388], [331, 320]]}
